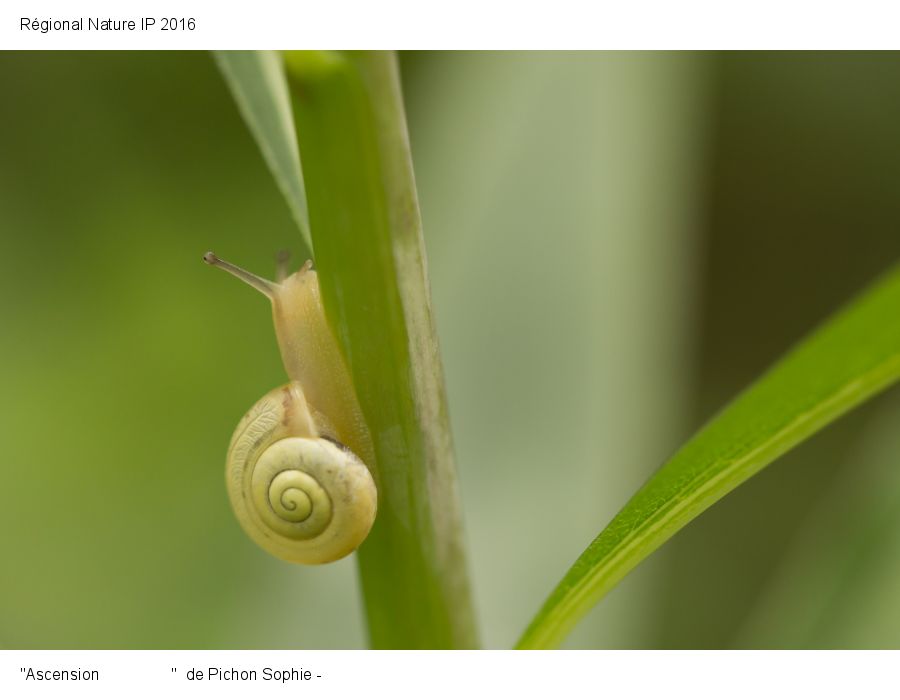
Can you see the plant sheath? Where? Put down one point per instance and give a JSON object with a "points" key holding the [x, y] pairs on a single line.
{"points": [[367, 237]]}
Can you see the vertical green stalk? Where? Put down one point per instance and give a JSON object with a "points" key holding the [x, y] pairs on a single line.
{"points": [[367, 236]]}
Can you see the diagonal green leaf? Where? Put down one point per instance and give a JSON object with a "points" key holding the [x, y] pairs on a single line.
{"points": [[257, 81], [849, 359]]}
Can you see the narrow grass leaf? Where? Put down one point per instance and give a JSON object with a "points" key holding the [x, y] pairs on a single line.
{"points": [[257, 81], [850, 358]]}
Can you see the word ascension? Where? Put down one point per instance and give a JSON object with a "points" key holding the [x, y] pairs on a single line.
{"points": [[73, 674], [107, 24]]}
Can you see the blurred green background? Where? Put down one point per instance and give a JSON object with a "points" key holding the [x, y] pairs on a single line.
{"points": [[618, 243]]}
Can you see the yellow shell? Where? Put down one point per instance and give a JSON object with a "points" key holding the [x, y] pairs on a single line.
{"points": [[303, 499]]}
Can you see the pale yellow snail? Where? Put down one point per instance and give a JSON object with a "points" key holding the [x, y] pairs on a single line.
{"points": [[296, 467]]}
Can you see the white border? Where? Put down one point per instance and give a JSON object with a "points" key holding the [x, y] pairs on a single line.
{"points": [[473, 24], [674, 675]]}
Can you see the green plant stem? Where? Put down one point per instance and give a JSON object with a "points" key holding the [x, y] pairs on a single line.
{"points": [[367, 238]]}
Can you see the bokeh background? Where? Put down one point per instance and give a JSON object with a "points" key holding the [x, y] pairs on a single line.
{"points": [[618, 243]]}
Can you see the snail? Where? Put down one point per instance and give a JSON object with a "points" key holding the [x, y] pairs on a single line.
{"points": [[296, 467]]}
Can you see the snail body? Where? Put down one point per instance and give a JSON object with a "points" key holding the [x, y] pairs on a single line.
{"points": [[296, 467]]}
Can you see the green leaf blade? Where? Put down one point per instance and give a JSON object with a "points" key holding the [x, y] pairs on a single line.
{"points": [[848, 360], [257, 82]]}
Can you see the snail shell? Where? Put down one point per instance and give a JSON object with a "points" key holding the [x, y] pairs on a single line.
{"points": [[304, 499]]}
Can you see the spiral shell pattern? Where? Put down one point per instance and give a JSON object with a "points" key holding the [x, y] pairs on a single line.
{"points": [[304, 499]]}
